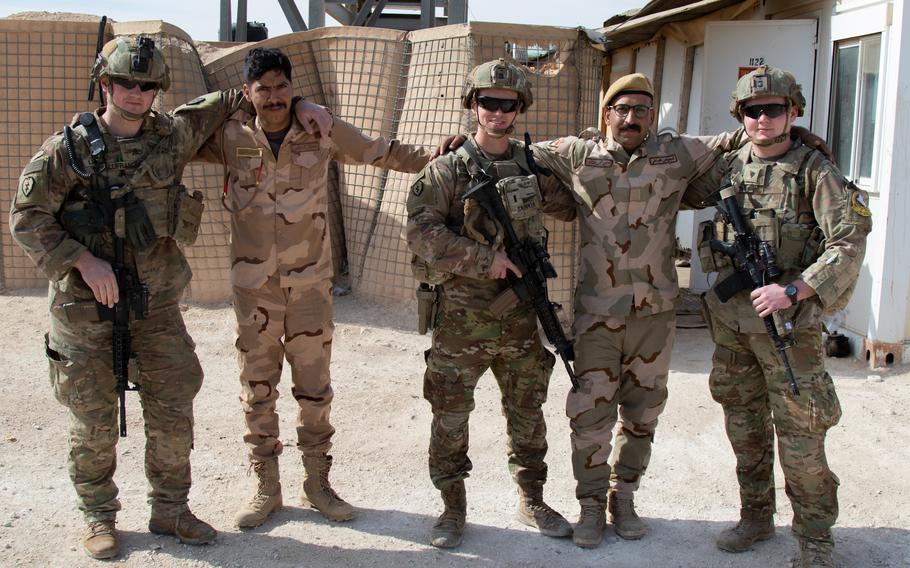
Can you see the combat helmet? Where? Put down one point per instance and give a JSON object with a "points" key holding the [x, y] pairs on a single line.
{"points": [[498, 74], [133, 59], [766, 81]]}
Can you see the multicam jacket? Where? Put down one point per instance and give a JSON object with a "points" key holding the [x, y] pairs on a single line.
{"points": [[151, 162], [436, 229], [279, 206], [816, 222], [627, 207]]}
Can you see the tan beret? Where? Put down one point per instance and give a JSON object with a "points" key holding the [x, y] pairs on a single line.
{"points": [[636, 84]]}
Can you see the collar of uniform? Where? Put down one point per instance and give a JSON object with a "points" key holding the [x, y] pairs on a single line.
{"points": [[791, 161], [649, 146]]}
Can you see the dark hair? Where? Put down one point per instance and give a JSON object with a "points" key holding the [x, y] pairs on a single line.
{"points": [[261, 60]]}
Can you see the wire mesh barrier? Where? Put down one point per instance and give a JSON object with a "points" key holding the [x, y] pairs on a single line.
{"points": [[385, 82]]}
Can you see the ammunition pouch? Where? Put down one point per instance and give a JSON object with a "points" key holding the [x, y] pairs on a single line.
{"points": [[427, 306], [523, 203], [173, 212], [77, 312]]}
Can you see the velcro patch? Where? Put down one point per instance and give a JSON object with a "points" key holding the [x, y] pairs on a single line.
{"points": [[663, 160], [36, 165], [26, 186], [308, 147], [859, 205], [249, 152], [599, 162], [195, 101]]}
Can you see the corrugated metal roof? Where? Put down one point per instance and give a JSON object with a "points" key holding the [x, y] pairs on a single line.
{"points": [[625, 29]]}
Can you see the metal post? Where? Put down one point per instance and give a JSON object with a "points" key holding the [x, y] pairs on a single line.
{"points": [[289, 7], [457, 11], [224, 33], [240, 35], [427, 13], [317, 14]]}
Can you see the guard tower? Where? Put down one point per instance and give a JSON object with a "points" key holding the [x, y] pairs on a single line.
{"points": [[404, 15]]}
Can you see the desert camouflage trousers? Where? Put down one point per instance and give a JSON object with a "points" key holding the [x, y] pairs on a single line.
{"points": [[274, 323], [467, 342], [169, 376], [750, 382], [622, 365]]}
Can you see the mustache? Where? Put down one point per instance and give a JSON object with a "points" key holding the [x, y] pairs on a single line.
{"points": [[634, 127], [275, 105]]}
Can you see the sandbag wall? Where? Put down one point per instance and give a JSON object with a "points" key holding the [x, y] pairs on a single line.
{"points": [[385, 82], [45, 67]]}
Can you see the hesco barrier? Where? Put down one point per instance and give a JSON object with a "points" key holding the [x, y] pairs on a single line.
{"points": [[390, 83]]}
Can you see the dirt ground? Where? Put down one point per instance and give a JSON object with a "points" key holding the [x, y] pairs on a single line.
{"points": [[687, 497]]}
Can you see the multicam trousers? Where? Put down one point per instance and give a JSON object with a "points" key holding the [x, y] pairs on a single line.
{"points": [[169, 377], [622, 365], [275, 323], [750, 382], [467, 342]]}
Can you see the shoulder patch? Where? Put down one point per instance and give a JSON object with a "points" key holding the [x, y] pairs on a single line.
{"points": [[599, 162], [38, 156], [195, 101], [417, 189], [663, 160], [36, 165], [859, 205], [26, 186]]}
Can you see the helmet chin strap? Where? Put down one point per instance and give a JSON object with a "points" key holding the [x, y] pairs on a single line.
{"points": [[785, 135], [494, 132]]}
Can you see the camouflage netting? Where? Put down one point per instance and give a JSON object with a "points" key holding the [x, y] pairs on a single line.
{"points": [[386, 82]]}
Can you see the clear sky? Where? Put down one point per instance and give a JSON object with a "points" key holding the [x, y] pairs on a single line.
{"points": [[200, 18]]}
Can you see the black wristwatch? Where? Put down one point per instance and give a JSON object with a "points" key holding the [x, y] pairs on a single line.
{"points": [[791, 293]]}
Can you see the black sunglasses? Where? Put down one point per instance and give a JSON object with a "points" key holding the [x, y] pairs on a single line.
{"points": [[773, 110], [129, 84], [493, 104]]}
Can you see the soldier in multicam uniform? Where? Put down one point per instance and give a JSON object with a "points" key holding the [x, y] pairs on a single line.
{"points": [[281, 272], [59, 216], [627, 190], [459, 248], [817, 222]]}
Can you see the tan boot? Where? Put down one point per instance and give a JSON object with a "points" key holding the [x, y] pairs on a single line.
{"points": [[449, 528], [589, 531], [100, 540], [752, 527], [533, 512], [267, 498], [626, 521], [317, 492], [815, 553], [185, 526]]}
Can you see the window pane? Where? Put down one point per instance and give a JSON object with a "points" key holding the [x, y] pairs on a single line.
{"points": [[844, 106], [871, 55]]}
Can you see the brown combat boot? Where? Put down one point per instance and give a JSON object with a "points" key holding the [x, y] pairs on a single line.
{"points": [[533, 512], [626, 521], [100, 540], [589, 531], [185, 526], [815, 553], [317, 492], [753, 525], [449, 528], [267, 498]]}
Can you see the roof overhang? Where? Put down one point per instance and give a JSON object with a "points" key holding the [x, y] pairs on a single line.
{"points": [[645, 23]]}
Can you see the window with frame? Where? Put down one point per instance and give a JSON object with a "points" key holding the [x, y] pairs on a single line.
{"points": [[854, 105]]}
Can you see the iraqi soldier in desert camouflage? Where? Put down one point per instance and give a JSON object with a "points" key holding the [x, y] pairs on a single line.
{"points": [[460, 249], [62, 215], [627, 191], [817, 224], [281, 272]]}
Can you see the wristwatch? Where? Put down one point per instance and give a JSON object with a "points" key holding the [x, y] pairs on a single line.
{"points": [[791, 293]]}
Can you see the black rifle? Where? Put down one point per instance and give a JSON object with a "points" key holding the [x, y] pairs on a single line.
{"points": [[133, 299], [755, 265], [533, 261]]}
